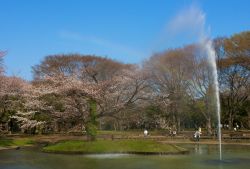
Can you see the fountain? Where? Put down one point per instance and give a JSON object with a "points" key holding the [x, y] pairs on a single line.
{"points": [[193, 21], [207, 44]]}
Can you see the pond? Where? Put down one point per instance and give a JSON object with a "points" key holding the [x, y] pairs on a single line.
{"points": [[201, 156]]}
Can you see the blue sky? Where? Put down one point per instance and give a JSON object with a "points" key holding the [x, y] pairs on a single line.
{"points": [[124, 30]]}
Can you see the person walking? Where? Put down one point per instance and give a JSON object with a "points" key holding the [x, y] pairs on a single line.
{"points": [[197, 135], [145, 133]]}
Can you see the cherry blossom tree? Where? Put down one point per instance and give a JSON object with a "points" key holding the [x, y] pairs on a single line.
{"points": [[113, 86], [26, 122], [13, 94]]}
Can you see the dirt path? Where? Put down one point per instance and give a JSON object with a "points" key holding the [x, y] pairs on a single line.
{"points": [[212, 142]]}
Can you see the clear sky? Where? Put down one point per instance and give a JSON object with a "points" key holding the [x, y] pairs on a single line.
{"points": [[124, 30]]}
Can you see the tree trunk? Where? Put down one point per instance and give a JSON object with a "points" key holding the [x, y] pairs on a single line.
{"points": [[230, 121], [208, 117], [248, 122], [208, 126], [178, 123]]}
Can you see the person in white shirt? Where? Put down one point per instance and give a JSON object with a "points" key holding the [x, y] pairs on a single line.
{"points": [[145, 133]]}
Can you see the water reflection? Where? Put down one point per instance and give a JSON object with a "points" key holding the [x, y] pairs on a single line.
{"points": [[105, 156], [198, 149], [201, 156]]}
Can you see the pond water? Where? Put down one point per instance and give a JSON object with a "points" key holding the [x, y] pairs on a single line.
{"points": [[201, 156]]}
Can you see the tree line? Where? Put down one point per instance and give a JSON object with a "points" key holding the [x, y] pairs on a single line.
{"points": [[172, 89]]}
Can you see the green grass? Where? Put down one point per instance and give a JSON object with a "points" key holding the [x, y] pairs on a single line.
{"points": [[15, 142], [119, 146]]}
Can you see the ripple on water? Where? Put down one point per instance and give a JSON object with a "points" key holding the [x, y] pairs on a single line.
{"points": [[103, 156]]}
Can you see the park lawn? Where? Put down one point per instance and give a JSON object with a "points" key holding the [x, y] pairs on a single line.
{"points": [[6, 142], [115, 146]]}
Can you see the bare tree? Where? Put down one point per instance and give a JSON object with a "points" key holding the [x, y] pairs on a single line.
{"points": [[170, 72], [234, 74]]}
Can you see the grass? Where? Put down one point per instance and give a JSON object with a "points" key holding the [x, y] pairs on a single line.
{"points": [[119, 146], [15, 142]]}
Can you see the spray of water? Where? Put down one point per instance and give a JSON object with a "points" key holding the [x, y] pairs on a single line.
{"points": [[192, 21], [212, 60]]}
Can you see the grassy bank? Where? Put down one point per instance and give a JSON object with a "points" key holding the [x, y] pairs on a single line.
{"points": [[119, 146], [17, 142]]}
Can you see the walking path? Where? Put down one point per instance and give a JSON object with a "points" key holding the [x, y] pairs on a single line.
{"points": [[212, 142]]}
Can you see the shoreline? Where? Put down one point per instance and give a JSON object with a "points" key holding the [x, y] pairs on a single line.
{"points": [[140, 147], [54, 139], [128, 152]]}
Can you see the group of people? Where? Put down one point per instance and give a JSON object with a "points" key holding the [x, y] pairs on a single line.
{"points": [[172, 133]]}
